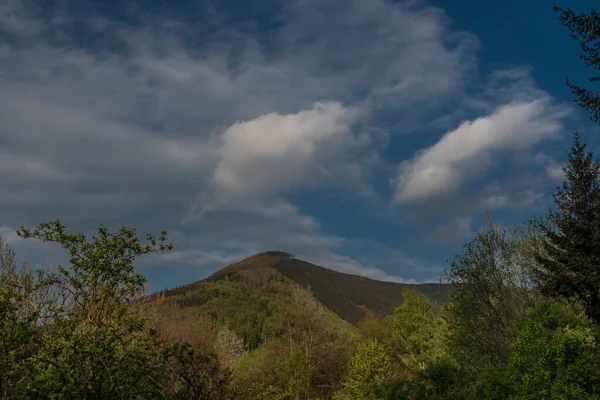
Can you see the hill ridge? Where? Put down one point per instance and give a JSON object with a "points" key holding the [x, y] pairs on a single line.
{"points": [[347, 295]]}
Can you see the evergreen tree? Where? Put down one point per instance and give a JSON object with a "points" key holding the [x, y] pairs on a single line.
{"points": [[585, 28], [571, 264]]}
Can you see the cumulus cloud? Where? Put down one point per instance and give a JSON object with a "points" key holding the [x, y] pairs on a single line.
{"points": [[274, 152], [462, 153]]}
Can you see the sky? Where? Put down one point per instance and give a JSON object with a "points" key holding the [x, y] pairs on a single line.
{"points": [[368, 136]]}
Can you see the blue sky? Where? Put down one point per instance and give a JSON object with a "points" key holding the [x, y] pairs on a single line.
{"points": [[366, 136]]}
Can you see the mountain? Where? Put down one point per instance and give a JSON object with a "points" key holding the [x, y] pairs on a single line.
{"points": [[348, 296], [256, 313]]}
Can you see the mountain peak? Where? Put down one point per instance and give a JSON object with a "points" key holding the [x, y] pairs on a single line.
{"points": [[266, 259], [275, 253], [346, 295]]}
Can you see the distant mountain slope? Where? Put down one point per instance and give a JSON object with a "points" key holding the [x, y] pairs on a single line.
{"points": [[344, 294], [347, 295]]}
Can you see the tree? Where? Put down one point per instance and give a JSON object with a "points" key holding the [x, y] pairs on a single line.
{"points": [[101, 276], [312, 331], [417, 336], [193, 375], [229, 347], [441, 380], [297, 374], [570, 266], [306, 321], [366, 374], [95, 347], [17, 323], [290, 380], [490, 287], [585, 28], [555, 355]]}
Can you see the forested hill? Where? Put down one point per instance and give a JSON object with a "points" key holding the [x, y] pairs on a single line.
{"points": [[349, 296]]}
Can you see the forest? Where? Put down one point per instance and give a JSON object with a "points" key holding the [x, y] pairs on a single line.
{"points": [[521, 319]]}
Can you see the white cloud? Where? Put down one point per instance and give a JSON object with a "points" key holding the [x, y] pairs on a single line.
{"points": [[467, 150], [24, 247], [551, 168], [274, 152], [519, 199], [350, 266], [8, 234], [555, 171], [496, 201], [456, 229]]}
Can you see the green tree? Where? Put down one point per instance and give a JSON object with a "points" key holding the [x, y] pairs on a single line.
{"points": [[490, 287], [312, 330], [585, 28], [18, 317], [298, 373], [193, 375], [417, 338], [95, 347], [292, 379], [555, 355], [441, 380], [571, 263], [367, 373]]}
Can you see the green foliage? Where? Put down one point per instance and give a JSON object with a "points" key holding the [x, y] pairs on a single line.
{"points": [[295, 374], [374, 326], [367, 373], [194, 375], [18, 316], [101, 271], [94, 347], [107, 362], [249, 304], [273, 316], [265, 300], [571, 265], [555, 355], [490, 288], [76, 333], [440, 380], [271, 377], [417, 337]]}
